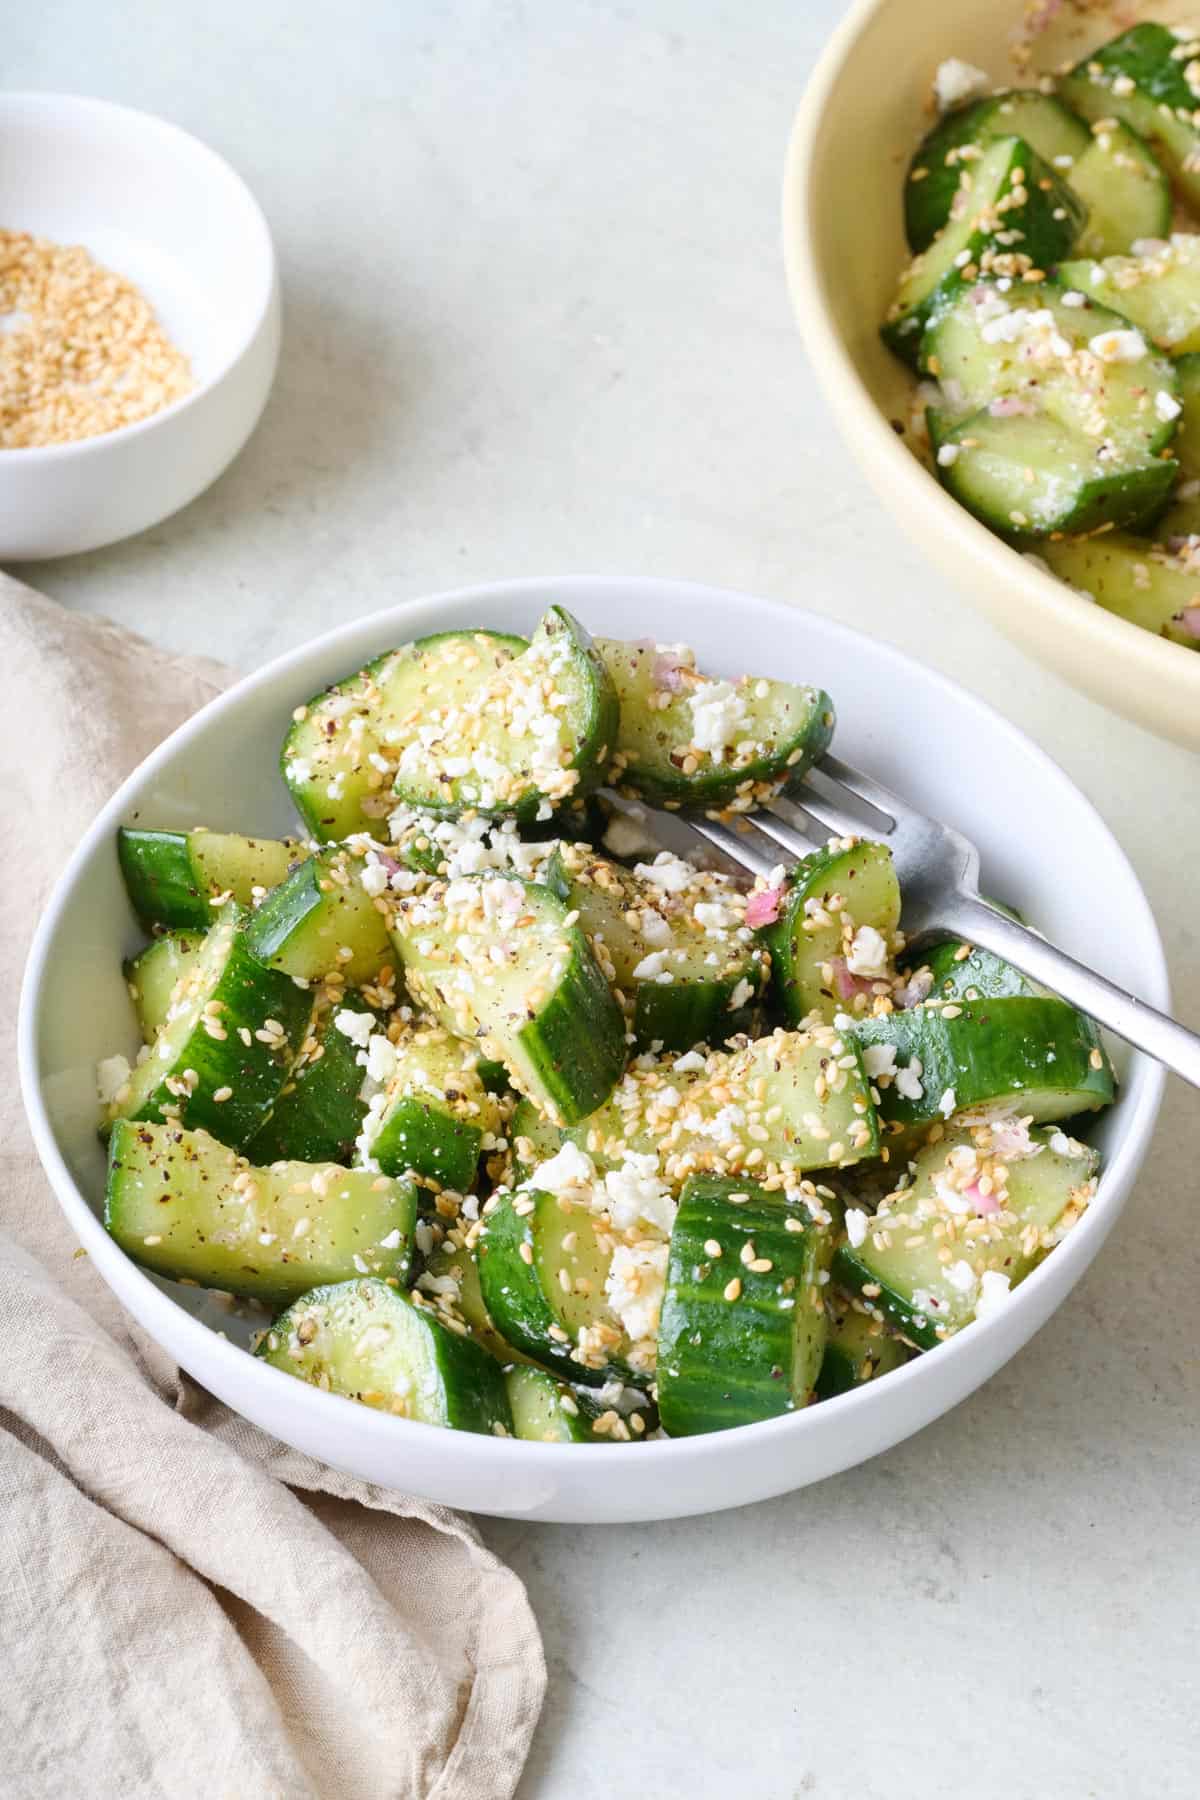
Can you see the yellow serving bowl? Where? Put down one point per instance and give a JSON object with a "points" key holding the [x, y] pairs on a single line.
{"points": [[865, 110]]}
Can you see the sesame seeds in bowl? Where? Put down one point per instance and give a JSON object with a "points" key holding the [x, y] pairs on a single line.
{"points": [[141, 321]]}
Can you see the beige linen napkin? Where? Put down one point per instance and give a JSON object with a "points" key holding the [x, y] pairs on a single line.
{"points": [[186, 1606]]}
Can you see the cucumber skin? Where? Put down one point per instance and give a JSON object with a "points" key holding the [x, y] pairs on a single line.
{"points": [[322, 1116], [692, 1012], [430, 1141], [841, 1366], [577, 1042], [251, 994], [749, 1340], [855, 1275], [163, 883], [284, 911], [927, 202], [472, 1380], [512, 1293], [576, 1427], [954, 1055], [983, 970]]}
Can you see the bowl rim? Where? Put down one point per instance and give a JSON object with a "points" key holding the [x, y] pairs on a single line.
{"points": [[206, 1344], [917, 489], [264, 270]]}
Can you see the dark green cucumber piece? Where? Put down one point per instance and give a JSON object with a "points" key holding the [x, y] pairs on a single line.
{"points": [[1040, 432], [1142, 79], [434, 1114], [177, 877], [1159, 290], [959, 971], [840, 907], [340, 754], [1038, 1053], [544, 1263], [319, 1112], [956, 142], [981, 1209], [501, 962], [671, 940], [153, 975], [1125, 189], [714, 743], [224, 1053], [322, 918], [180, 1203], [366, 1341], [743, 1320], [860, 1348], [522, 740], [548, 1411], [1153, 585], [1018, 221]]}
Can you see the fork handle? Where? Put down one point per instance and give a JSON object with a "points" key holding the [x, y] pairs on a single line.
{"points": [[1161, 1037]]}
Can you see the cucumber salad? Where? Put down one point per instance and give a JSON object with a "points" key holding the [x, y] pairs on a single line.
{"points": [[1052, 315], [516, 1122]]}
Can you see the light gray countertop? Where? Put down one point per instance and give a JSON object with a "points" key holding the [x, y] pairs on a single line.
{"points": [[536, 321]]}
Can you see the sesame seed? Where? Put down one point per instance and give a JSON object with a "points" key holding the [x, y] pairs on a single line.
{"points": [[733, 1289], [222, 1094], [712, 1248]]}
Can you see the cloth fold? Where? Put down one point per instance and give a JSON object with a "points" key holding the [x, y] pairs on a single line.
{"points": [[188, 1607]]}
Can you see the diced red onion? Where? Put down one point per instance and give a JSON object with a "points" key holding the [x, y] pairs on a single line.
{"points": [[983, 1203], [845, 982], [1189, 618], [762, 908]]}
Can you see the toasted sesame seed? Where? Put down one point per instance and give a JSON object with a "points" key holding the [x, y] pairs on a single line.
{"points": [[733, 1289], [712, 1248]]}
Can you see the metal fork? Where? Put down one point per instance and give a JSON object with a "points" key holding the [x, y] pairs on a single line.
{"points": [[938, 871]]}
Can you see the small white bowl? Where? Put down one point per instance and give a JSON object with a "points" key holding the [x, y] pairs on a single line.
{"points": [[863, 114], [1045, 849], [157, 206]]}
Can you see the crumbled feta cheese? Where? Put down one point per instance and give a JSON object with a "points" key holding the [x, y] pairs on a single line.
{"points": [[961, 1277], [741, 995], [357, 1026], [713, 915], [111, 1075], [379, 1058], [374, 879], [1073, 297], [856, 1226], [994, 1290], [868, 954], [948, 454], [956, 82], [569, 1169], [667, 871], [719, 717], [947, 1103], [1166, 406], [690, 1063], [908, 1080], [634, 1287], [879, 1059], [1118, 346], [391, 1241], [636, 1191]]}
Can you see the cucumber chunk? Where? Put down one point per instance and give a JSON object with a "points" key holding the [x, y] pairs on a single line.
{"points": [[832, 941], [1008, 197], [689, 739], [340, 754], [176, 878], [771, 1109], [1141, 79], [545, 1263], [522, 740], [180, 1203], [672, 941], [934, 1061], [320, 1109], [434, 1114], [155, 972], [958, 971], [956, 143], [225, 1048], [369, 1343], [503, 963], [450, 1281], [1056, 415], [1159, 291], [1122, 184], [982, 1208], [322, 918], [1153, 585], [743, 1321], [548, 1411], [860, 1348]]}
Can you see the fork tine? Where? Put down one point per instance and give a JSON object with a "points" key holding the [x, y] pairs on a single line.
{"points": [[862, 787], [828, 816], [782, 831], [738, 846]]}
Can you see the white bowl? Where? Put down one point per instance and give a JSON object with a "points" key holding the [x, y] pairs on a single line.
{"points": [[862, 116], [156, 205], [1044, 849]]}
